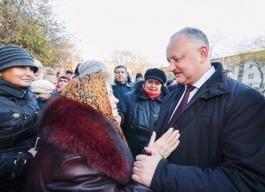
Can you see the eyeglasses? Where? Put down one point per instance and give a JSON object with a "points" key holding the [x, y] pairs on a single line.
{"points": [[63, 81]]}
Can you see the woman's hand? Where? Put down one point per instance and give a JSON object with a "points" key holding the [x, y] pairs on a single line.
{"points": [[166, 143], [145, 166]]}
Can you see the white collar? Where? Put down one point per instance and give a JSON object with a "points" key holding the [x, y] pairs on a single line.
{"points": [[204, 78]]}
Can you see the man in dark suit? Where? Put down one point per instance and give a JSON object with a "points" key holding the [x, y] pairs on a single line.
{"points": [[222, 127]]}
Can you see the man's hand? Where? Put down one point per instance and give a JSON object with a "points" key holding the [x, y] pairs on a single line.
{"points": [[144, 166], [167, 143]]}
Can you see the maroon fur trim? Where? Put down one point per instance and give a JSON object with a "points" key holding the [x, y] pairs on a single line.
{"points": [[78, 128]]}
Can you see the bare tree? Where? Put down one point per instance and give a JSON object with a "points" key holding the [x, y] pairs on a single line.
{"points": [[220, 47], [215, 40], [254, 44], [258, 58], [255, 51], [133, 62]]}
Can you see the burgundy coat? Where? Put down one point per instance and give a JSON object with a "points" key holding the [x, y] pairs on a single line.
{"points": [[80, 151]]}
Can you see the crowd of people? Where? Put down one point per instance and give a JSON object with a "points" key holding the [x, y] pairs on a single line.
{"points": [[80, 131]]}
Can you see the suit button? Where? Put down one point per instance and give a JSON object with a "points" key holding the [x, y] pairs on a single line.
{"points": [[16, 115]]}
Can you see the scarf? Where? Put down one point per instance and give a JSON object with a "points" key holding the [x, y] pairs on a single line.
{"points": [[91, 90], [151, 94]]}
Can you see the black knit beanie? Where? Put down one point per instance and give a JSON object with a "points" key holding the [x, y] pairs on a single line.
{"points": [[12, 56], [138, 75], [156, 74]]}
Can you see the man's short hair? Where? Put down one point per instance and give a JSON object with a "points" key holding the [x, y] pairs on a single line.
{"points": [[228, 71], [69, 71], [120, 66], [196, 36]]}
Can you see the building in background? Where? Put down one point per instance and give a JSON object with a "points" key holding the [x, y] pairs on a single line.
{"points": [[248, 68]]}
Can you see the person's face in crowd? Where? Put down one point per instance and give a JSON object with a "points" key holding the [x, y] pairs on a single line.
{"points": [[58, 75], [153, 85], [120, 75], [69, 75], [38, 74], [18, 76], [113, 101], [186, 60], [43, 96], [230, 75], [62, 82], [174, 82], [139, 79]]}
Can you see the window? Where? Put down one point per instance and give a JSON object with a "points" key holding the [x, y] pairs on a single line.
{"points": [[251, 76], [241, 68], [252, 66], [240, 77]]}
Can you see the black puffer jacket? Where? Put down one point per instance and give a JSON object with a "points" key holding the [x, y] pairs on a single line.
{"points": [[139, 113], [119, 90], [18, 112]]}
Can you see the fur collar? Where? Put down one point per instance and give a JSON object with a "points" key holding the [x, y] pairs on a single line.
{"points": [[78, 128]]}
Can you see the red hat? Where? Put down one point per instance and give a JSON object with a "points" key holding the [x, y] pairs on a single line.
{"points": [[63, 77]]}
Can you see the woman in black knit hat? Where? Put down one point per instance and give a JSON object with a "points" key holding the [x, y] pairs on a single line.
{"points": [[18, 112]]}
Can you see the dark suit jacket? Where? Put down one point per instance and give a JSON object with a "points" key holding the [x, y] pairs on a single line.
{"points": [[222, 145]]}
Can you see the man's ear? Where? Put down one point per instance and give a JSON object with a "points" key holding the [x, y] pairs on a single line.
{"points": [[204, 52]]}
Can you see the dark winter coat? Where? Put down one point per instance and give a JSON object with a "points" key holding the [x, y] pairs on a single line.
{"points": [[139, 113], [222, 142], [80, 151], [18, 113], [172, 87], [119, 90]]}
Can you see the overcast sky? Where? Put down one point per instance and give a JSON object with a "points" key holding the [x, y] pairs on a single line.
{"points": [[145, 26]]}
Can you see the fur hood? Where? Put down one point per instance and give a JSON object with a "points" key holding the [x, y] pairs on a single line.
{"points": [[138, 90], [80, 129]]}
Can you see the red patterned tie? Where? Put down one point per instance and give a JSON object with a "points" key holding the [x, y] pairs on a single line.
{"points": [[181, 106]]}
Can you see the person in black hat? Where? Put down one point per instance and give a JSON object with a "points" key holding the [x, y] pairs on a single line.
{"points": [[139, 77], [69, 73], [18, 113], [140, 108]]}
